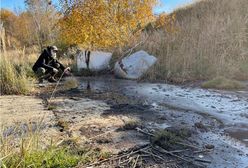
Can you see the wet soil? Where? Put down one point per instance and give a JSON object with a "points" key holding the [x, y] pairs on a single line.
{"points": [[95, 111], [213, 117]]}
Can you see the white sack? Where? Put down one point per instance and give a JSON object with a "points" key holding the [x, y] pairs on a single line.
{"points": [[98, 60], [134, 66]]}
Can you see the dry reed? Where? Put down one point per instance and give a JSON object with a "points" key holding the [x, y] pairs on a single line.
{"points": [[211, 40]]}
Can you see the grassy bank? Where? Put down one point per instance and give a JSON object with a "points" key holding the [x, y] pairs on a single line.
{"points": [[29, 151], [210, 39]]}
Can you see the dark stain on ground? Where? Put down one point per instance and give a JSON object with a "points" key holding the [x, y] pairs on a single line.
{"points": [[128, 109], [240, 134]]}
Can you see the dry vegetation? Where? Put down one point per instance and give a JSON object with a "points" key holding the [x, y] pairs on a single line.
{"points": [[16, 72], [202, 41], [210, 40]]}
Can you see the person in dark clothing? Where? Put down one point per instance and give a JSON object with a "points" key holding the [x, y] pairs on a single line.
{"points": [[47, 66]]}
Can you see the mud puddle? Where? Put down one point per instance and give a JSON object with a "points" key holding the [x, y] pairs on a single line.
{"points": [[238, 133], [230, 108], [97, 111]]}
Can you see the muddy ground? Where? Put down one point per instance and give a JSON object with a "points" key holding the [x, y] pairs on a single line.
{"points": [[99, 112]]}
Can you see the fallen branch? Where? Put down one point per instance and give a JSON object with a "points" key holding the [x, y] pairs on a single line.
{"points": [[202, 160], [179, 143], [152, 154], [135, 163], [198, 159], [202, 151], [144, 132], [119, 157], [129, 51], [179, 151], [188, 145], [162, 150]]}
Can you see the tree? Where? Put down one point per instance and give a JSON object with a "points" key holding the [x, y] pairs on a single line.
{"points": [[102, 24], [7, 18], [44, 18]]}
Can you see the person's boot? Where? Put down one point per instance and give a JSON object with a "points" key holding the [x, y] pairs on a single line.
{"points": [[52, 80]]}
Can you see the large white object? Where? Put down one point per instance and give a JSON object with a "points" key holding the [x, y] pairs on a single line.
{"points": [[134, 66], [98, 60]]}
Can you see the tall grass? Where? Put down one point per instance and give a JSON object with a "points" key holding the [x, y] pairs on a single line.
{"points": [[15, 67], [14, 75], [211, 39]]}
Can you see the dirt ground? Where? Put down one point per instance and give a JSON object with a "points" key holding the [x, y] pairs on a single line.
{"points": [[17, 109], [105, 113]]}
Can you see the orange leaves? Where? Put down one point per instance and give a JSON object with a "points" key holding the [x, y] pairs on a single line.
{"points": [[6, 15], [105, 23], [167, 22]]}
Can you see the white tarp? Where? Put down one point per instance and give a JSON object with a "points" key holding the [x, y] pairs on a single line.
{"points": [[134, 66], [98, 60]]}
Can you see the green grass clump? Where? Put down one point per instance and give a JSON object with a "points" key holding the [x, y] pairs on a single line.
{"points": [[63, 124], [165, 138], [70, 83], [51, 157], [12, 81], [60, 157], [131, 125], [223, 83], [51, 107]]}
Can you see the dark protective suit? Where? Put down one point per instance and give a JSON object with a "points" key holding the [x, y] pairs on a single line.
{"points": [[47, 62]]}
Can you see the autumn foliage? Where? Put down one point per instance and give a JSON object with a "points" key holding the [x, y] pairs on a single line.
{"points": [[166, 22], [104, 24], [34, 26]]}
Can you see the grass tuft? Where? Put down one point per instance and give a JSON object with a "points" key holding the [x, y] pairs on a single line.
{"points": [[223, 83], [70, 83], [64, 125], [168, 138], [165, 138], [130, 125], [51, 107]]}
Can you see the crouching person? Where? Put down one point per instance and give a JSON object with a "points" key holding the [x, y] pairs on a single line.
{"points": [[47, 66]]}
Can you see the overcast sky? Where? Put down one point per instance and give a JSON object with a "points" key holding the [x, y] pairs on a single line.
{"points": [[165, 6]]}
